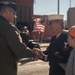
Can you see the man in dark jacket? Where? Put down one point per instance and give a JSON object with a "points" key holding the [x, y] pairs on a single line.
{"points": [[25, 34], [11, 46], [58, 51]]}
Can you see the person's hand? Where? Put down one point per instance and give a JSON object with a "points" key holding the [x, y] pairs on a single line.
{"points": [[36, 58], [39, 53]]}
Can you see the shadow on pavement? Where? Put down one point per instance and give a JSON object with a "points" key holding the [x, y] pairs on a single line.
{"points": [[25, 60]]}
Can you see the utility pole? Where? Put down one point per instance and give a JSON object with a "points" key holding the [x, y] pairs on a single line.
{"points": [[70, 3], [58, 6]]}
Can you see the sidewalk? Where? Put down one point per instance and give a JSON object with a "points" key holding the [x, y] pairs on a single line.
{"points": [[44, 44]]}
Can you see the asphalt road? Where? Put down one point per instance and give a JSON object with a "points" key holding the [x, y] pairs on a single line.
{"points": [[33, 68]]}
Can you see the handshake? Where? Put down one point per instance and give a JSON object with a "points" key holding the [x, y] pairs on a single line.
{"points": [[39, 54]]}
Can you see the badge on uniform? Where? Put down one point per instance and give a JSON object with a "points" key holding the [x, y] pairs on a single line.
{"points": [[66, 43], [65, 48]]}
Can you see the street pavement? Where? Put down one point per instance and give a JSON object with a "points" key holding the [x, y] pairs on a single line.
{"points": [[43, 44], [34, 68]]}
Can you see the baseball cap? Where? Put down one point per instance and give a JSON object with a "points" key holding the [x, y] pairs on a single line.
{"points": [[72, 31]]}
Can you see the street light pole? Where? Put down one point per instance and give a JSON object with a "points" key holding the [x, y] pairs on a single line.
{"points": [[70, 3], [58, 6]]}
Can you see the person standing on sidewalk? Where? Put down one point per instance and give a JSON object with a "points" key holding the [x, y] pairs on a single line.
{"points": [[58, 51], [11, 46]]}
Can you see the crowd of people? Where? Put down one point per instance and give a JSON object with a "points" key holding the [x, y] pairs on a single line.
{"points": [[60, 53]]}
